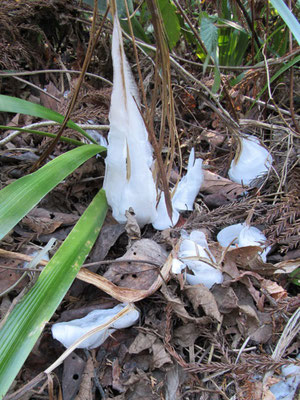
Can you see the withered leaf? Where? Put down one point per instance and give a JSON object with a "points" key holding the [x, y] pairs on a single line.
{"points": [[143, 341], [160, 356], [225, 297], [200, 295], [138, 275]]}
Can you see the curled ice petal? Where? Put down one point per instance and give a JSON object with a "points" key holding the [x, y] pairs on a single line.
{"points": [[189, 253], [244, 235], [230, 234], [162, 220], [68, 332], [254, 160], [189, 186], [177, 266]]}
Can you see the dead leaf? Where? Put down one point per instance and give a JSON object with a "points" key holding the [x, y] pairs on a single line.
{"points": [[275, 290], [186, 335], [226, 298], [116, 371], [179, 309], [127, 295], [44, 222], [132, 227], [85, 391], [135, 275], [219, 190], [72, 374], [200, 295], [286, 267], [160, 356], [143, 341], [248, 320], [109, 234]]}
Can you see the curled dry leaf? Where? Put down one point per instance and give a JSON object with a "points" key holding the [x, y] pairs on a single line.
{"points": [[123, 294], [219, 190], [199, 295]]}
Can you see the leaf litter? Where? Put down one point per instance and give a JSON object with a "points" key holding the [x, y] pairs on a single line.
{"points": [[191, 342]]}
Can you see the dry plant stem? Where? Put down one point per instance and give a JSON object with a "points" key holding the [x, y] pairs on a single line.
{"points": [[37, 88], [290, 331], [263, 103], [168, 110], [126, 295], [48, 71], [292, 110], [269, 88], [136, 58], [249, 21], [87, 59], [259, 65]]}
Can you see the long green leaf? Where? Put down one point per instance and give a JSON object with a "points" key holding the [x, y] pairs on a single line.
{"points": [[285, 67], [26, 322], [41, 133], [288, 17], [171, 21], [15, 105], [19, 197]]}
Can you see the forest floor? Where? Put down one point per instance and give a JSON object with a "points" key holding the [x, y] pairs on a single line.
{"points": [[228, 342]]}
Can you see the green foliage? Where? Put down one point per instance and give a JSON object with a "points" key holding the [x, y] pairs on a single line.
{"points": [[18, 198], [171, 21], [15, 105], [288, 17], [27, 320]]}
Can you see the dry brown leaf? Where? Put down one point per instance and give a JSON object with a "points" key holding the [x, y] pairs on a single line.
{"points": [[225, 297], [199, 295], [143, 341], [179, 309], [85, 391], [248, 320], [186, 335], [122, 294], [219, 190], [286, 267], [42, 221], [72, 373], [132, 227], [275, 290], [137, 275], [160, 356]]}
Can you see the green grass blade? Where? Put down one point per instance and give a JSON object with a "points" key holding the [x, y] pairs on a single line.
{"points": [[288, 17], [15, 105], [41, 133], [278, 73], [19, 197], [26, 322]]}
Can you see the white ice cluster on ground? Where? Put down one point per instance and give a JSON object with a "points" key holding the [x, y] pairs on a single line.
{"points": [[290, 380], [183, 196], [191, 248], [253, 161], [128, 180], [242, 235], [68, 332]]}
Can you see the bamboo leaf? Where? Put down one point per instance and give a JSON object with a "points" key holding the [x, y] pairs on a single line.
{"points": [[288, 17], [18, 198], [26, 322], [15, 105], [171, 21]]}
